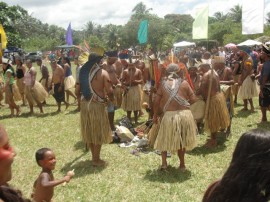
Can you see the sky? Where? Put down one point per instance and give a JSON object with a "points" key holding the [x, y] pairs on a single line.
{"points": [[118, 12]]}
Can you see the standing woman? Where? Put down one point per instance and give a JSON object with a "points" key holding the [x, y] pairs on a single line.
{"points": [[34, 91], [69, 81], [20, 71], [11, 90]]}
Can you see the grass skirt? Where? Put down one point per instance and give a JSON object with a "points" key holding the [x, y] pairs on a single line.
{"points": [[95, 127], [35, 94], [248, 89], [152, 134], [177, 130], [118, 92], [12, 94], [69, 82], [20, 85], [43, 82], [235, 87], [218, 115], [228, 93], [132, 99]]}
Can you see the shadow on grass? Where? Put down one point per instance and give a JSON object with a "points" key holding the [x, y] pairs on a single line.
{"points": [[171, 175], [264, 125], [80, 146], [81, 168], [202, 150], [75, 111], [245, 113]]}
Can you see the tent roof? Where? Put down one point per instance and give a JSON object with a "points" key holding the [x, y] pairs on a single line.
{"points": [[250, 42], [66, 46], [184, 43]]}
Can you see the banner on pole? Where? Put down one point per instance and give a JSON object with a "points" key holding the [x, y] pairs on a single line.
{"points": [[200, 24]]}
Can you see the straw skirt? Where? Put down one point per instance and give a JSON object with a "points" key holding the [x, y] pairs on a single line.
{"points": [[35, 94], [132, 99], [43, 82], [177, 131], [118, 92], [248, 89], [218, 115], [69, 82], [21, 85], [12, 94], [152, 134], [95, 127]]}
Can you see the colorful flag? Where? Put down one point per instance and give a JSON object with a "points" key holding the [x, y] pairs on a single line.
{"points": [[200, 24], [69, 40], [3, 41], [252, 17], [143, 32]]}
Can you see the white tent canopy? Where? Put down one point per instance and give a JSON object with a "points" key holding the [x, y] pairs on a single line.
{"points": [[184, 44], [267, 43], [250, 42]]}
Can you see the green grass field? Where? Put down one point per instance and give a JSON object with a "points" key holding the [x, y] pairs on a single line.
{"points": [[127, 177]]}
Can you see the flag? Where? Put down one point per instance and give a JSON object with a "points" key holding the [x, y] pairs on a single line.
{"points": [[69, 40], [3, 41], [143, 32], [200, 24], [252, 17]]}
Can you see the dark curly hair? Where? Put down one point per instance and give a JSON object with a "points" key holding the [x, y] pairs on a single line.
{"points": [[8, 194]]}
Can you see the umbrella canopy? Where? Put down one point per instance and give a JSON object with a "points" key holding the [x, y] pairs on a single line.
{"points": [[184, 44], [230, 45], [250, 42]]}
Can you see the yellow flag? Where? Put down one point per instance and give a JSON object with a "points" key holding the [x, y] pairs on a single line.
{"points": [[3, 37]]}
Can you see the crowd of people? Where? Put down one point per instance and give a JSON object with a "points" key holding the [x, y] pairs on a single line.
{"points": [[183, 94]]}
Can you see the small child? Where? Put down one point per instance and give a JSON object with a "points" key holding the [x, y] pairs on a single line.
{"points": [[45, 183]]}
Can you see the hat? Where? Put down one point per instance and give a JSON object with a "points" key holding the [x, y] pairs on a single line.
{"points": [[245, 49], [98, 50], [218, 59], [5, 60], [111, 54], [266, 50]]}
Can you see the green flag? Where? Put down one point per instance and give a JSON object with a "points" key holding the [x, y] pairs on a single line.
{"points": [[200, 24], [143, 32]]}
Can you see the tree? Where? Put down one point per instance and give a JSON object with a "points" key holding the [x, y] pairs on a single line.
{"points": [[220, 17], [236, 13], [140, 11]]}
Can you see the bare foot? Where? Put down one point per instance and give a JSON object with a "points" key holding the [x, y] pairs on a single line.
{"points": [[252, 110], [211, 144], [67, 105], [163, 168], [244, 109], [99, 163], [182, 168], [19, 111]]}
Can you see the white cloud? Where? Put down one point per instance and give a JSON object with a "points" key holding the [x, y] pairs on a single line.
{"points": [[79, 12]]}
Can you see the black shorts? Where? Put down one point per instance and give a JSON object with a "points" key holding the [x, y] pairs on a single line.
{"points": [[265, 101]]}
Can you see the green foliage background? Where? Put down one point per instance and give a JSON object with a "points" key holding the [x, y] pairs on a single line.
{"points": [[31, 34]]}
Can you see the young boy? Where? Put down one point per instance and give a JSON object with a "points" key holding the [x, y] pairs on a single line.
{"points": [[45, 183]]}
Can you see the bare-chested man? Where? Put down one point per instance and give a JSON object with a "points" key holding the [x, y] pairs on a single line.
{"points": [[58, 84], [226, 82], [217, 116], [247, 83], [111, 68], [95, 87], [177, 132], [131, 79]]}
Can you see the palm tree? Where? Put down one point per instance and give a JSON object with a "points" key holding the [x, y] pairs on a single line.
{"points": [[219, 16], [140, 11], [236, 13]]}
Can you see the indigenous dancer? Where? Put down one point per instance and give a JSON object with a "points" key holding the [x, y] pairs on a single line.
{"points": [[195, 78], [69, 81], [177, 132], [45, 79], [11, 90], [226, 82], [131, 79], [116, 84], [237, 71], [95, 87], [20, 71], [247, 83], [57, 85], [78, 64], [264, 97], [34, 91], [216, 116]]}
